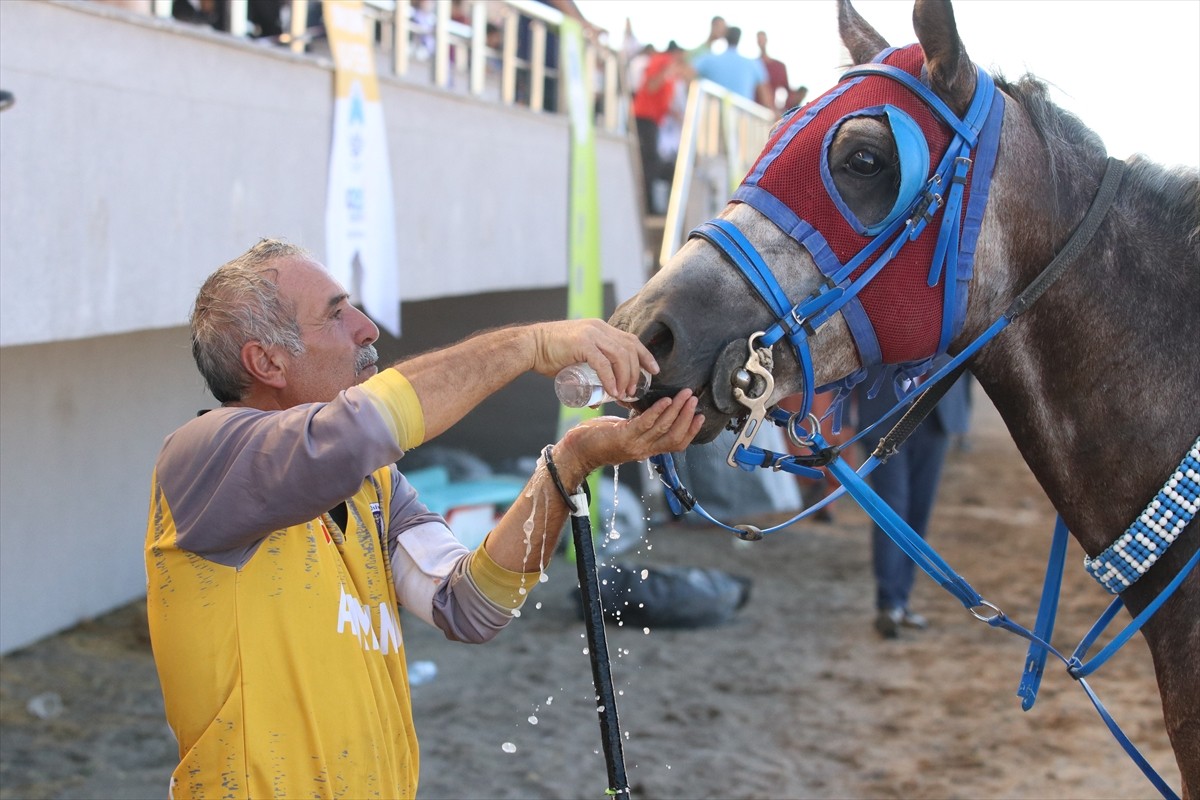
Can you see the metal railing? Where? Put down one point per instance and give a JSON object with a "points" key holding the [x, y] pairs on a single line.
{"points": [[722, 135], [457, 56]]}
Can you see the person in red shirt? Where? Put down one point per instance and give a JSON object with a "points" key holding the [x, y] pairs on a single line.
{"points": [[651, 103], [777, 77]]}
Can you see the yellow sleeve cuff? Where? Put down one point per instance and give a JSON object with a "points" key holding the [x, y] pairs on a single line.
{"points": [[398, 404], [501, 586]]}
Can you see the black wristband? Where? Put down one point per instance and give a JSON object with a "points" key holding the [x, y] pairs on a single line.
{"points": [[553, 470]]}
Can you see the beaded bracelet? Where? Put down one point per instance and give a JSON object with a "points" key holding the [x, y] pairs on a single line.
{"points": [[581, 492]]}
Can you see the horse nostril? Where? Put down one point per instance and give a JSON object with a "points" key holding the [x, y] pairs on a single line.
{"points": [[659, 341]]}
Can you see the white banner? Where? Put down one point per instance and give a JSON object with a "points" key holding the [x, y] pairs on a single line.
{"points": [[360, 216]]}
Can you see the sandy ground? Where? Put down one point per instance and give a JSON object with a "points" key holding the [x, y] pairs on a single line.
{"points": [[796, 697]]}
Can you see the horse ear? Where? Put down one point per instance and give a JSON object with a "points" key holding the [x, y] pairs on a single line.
{"points": [[863, 41], [951, 73]]}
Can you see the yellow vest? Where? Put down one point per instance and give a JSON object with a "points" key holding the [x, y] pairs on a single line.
{"points": [[308, 690]]}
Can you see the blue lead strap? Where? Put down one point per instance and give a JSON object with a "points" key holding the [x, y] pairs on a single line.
{"points": [[1035, 660], [903, 535], [934, 566], [1079, 670], [1130, 749]]}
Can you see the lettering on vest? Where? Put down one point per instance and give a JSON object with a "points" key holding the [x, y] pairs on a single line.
{"points": [[355, 618]]}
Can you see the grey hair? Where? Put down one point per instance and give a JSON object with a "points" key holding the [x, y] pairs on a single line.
{"points": [[240, 303]]}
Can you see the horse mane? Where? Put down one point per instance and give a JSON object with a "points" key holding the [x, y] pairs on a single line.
{"points": [[1173, 194]]}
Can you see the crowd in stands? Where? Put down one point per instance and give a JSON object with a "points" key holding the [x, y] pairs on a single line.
{"points": [[659, 80]]}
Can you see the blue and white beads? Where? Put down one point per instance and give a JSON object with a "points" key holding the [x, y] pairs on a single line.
{"points": [[1128, 558]]}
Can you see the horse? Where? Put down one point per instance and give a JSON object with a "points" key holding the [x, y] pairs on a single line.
{"points": [[1097, 381]]}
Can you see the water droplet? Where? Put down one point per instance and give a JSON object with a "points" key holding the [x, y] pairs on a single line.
{"points": [[46, 705], [532, 719], [644, 574], [599, 709], [538, 604], [549, 699], [585, 651], [521, 590], [646, 631], [516, 612], [508, 747], [543, 578], [614, 534]]}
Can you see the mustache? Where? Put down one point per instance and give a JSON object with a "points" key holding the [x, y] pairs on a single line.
{"points": [[366, 357]]}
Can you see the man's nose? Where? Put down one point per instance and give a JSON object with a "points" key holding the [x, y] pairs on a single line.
{"points": [[368, 331]]}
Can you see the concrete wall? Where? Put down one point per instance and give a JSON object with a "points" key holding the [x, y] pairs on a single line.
{"points": [[140, 155], [80, 425]]}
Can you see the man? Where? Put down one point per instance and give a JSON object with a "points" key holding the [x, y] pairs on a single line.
{"points": [[777, 77], [652, 103], [908, 483], [716, 32], [738, 74], [282, 539]]}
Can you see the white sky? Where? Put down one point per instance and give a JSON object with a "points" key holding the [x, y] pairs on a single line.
{"points": [[1130, 69]]}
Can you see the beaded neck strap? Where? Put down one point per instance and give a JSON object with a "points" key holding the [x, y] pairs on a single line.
{"points": [[1136, 550]]}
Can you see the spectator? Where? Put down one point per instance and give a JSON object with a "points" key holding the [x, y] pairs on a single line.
{"points": [[908, 483], [202, 12], [525, 51], [777, 77], [265, 18], [276, 570], [716, 32], [636, 56], [651, 104], [740, 75]]}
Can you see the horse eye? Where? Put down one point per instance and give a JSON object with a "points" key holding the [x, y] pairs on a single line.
{"points": [[864, 163]]}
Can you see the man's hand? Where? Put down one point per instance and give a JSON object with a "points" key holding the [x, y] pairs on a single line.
{"points": [[668, 426], [617, 356]]}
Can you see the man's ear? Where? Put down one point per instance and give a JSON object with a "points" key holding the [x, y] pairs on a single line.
{"points": [[264, 365]]}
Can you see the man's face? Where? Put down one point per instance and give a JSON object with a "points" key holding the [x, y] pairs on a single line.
{"points": [[336, 335]]}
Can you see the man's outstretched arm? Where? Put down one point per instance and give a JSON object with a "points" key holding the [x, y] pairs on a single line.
{"points": [[451, 381]]}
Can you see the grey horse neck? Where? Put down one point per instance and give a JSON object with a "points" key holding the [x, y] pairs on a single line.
{"points": [[1098, 383]]}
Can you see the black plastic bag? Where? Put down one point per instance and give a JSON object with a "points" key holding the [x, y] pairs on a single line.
{"points": [[670, 596]]}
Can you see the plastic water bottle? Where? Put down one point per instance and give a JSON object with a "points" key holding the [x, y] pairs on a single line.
{"points": [[578, 385]]}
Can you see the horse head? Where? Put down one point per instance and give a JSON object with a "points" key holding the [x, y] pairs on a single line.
{"points": [[892, 168]]}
